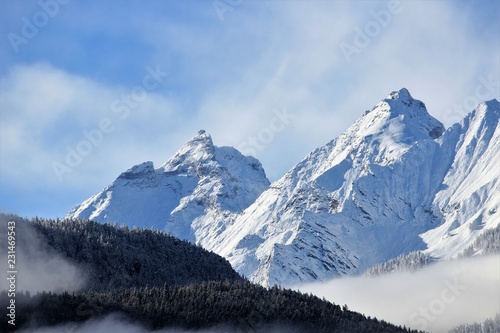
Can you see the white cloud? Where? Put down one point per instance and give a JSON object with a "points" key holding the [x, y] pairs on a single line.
{"points": [[434, 299], [38, 266], [46, 110]]}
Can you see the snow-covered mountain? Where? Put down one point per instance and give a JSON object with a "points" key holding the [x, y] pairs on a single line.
{"points": [[392, 183], [468, 200], [361, 199], [193, 195]]}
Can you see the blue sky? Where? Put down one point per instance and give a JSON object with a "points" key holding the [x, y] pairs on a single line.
{"points": [[124, 82]]}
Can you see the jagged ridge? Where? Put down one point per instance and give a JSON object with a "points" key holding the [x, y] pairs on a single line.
{"points": [[199, 180], [393, 183]]}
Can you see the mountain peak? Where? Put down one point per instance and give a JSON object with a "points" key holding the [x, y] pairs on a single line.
{"points": [[489, 108], [199, 150], [401, 101], [202, 137], [410, 112], [402, 94], [200, 184]]}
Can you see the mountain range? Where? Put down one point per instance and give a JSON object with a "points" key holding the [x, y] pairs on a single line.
{"points": [[394, 182]]}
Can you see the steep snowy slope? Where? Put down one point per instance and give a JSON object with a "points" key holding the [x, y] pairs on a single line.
{"points": [[393, 183], [200, 185], [469, 197], [361, 199]]}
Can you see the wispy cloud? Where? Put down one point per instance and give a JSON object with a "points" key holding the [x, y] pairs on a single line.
{"points": [[434, 299], [38, 267], [225, 77], [45, 115], [48, 111]]}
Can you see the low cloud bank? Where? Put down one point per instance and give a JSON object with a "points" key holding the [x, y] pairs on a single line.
{"points": [[435, 299], [117, 323], [39, 267]]}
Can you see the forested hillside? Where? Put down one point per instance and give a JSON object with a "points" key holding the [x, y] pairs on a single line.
{"points": [[238, 306], [158, 281], [115, 258]]}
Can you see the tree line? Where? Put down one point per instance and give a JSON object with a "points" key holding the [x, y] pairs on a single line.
{"points": [[486, 243], [159, 281], [116, 258], [238, 305]]}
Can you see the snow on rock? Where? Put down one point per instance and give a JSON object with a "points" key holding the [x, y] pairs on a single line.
{"points": [[392, 183], [384, 187], [469, 197], [362, 198], [200, 185]]}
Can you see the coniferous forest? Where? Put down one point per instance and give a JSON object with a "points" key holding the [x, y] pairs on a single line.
{"points": [[239, 305], [487, 243], [115, 257], [490, 325], [159, 281]]}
